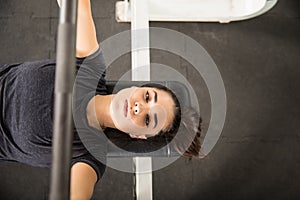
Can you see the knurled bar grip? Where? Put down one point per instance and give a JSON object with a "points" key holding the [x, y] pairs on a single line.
{"points": [[63, 121]]}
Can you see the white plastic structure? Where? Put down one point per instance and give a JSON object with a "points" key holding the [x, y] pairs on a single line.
{"points": [[140, 52], [143, 178], [223, 11], [140, 58]]}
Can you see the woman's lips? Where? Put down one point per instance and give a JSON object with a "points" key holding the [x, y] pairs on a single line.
{"points": [[125, 108]]}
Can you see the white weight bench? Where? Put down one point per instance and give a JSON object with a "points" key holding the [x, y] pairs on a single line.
{"points": [[222, 11], [140, 12]]}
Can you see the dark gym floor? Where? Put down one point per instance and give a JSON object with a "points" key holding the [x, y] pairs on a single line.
{"points": [[257, 156]]}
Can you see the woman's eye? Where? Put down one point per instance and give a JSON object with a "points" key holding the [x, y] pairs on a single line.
{"points": [[147, 96], [147, 120]]}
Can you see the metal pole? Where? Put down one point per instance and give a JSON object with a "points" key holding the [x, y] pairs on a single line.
{"points": [[63, 121]]}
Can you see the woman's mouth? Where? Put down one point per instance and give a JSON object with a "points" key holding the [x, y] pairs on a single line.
{"points": [[125, 108]]}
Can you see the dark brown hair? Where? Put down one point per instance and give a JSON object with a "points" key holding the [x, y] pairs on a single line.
{"points": [[188, 143], [187, 121]]}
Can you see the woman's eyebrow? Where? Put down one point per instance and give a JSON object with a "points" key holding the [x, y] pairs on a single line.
{"points": [[155, 97], [155, 120]]}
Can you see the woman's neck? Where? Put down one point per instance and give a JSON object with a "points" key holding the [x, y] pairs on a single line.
{"points": [[98, 112]]}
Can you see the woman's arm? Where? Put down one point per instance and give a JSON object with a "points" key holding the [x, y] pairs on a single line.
{"points": [[86, 38], [83, 176], [83, 179]]}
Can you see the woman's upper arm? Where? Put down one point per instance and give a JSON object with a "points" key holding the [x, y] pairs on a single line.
{"points": [[83, 179], [86, 38], [86, 42]]}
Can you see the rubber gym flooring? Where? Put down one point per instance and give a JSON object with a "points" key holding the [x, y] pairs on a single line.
{"points": [[257, 155]]}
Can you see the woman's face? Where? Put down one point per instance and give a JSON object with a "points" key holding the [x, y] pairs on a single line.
{"points": [[142, 111]]}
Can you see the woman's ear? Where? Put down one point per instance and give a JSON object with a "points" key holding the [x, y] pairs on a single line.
{"points": [[138, 136]]}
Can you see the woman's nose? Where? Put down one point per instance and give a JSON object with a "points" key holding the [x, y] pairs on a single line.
{"points": [[138, 108]]}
